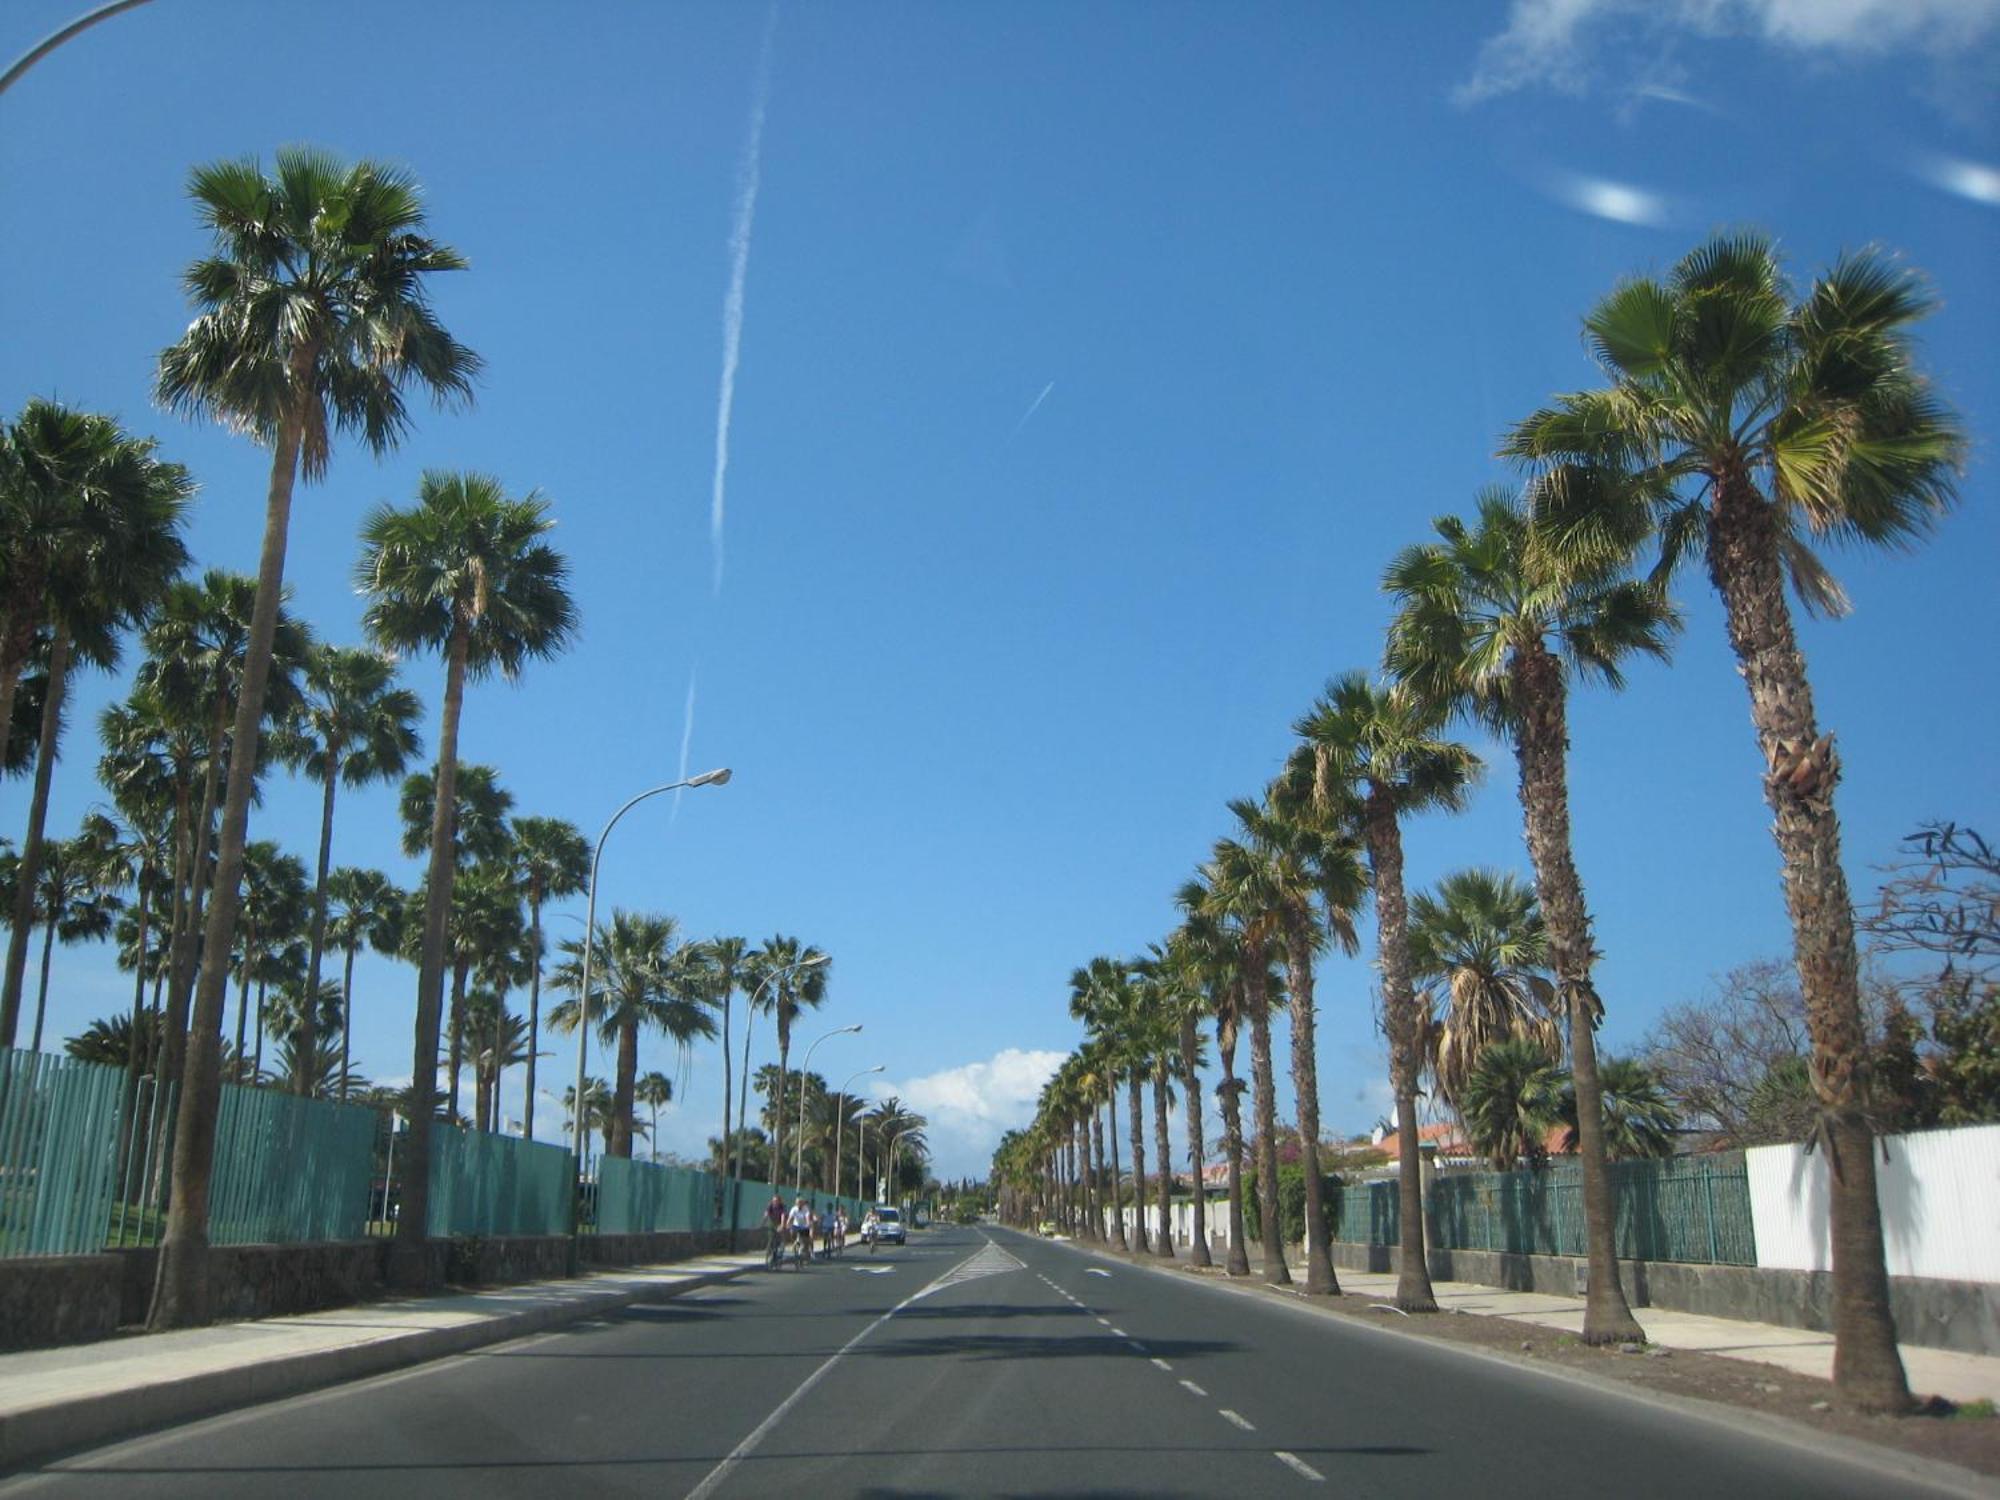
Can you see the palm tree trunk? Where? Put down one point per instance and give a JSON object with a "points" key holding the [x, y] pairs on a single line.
{"points": [[1163, 1159], [1542, 747], [1320, 1277], [1191, 1085], [534, 1011], [1231, 1093], [347, 1018], [242, 1017], [743, 1097], [42, 991], [29, 870], [187, 952], [618, 1132], [305, 1048], [1117, 1171], [460, 968], [257, 1063], [1399, 1009], [17, 643], [1801, 771], [778, 1104], [135, 1056], [410, 1262], [1141, 1242], [1266, 1105], [181, 1294], [728, 1081], [173, 1025]]}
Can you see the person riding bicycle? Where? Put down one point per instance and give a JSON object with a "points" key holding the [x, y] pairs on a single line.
{"points": [[869, 1226], [774, 1224], [801, 1224]]}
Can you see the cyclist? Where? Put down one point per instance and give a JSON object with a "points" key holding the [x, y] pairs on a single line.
{"points": [[869, 1226], [774, 1223], [801, 1224]]}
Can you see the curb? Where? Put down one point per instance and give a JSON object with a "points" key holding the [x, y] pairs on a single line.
{"points": [[1884, 1460], [87, 1421]]}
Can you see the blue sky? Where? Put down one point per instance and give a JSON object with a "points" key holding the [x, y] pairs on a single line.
{"points": [[1094, 360]]}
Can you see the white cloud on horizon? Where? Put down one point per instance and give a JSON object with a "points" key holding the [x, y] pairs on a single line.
{"points": [[971, 1106], [1555, 43]]}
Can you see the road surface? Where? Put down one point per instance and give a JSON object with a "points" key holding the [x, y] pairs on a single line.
{"points": [[972, 1362]]}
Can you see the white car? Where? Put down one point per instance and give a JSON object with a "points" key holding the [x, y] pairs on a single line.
{"points": [[888, 1228]]}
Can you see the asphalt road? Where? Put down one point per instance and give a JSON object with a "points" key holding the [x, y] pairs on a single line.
{"points": [[973, 1362]]}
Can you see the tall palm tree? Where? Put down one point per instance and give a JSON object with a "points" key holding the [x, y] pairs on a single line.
{"points": [[596, 1106], [354, 726], [1200, 950], [1155, 1038], [276, 912], [1100, 997], [1499, 622], [367, 912], [800, 985], [1374, 754], [90, 526], [70, 900], [1512, 1099], [551, 861], [1742, 425], [726, 959], [465, 572], [311, 318], [656, 1091]]}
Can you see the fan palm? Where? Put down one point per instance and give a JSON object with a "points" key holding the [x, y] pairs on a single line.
{"points": [[69, 898], [800, 985], [1374, 754], [465, 572], [311, 318], [354, 726], [1512, 1099], [726, 959], [1155, 1039], [367, 911], [1741, 426], [1499, 622], [1639, 1118], [656, 1091], [551, 861], [1100, 997]]}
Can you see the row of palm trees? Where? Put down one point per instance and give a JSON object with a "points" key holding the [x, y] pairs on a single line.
{"points": [[1741, 425]]}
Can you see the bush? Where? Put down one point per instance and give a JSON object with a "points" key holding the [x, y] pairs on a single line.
{"points": [[1291, 1202]]}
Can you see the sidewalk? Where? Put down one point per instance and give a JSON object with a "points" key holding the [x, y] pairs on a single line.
{"points": [[1940, 1372], [56, 1399]]}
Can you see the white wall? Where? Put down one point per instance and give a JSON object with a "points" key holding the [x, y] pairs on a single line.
{"points": [[1940, 1197]]}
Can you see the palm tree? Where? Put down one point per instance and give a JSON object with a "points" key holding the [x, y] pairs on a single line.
{"points": [[367, 912], [354, 726], [1479, 950], [1639, 1119], [69, 899], [1512, 1099], [726, 958], [466, 573], [1742, 425], [275, 914], [551, 861], [597, 1109], [90, 526], [1100, 997], [1374, 754], [1498, 622], [312, 318], [800, 985], [114, 1042], [656, 1091], [1155, 1039]]}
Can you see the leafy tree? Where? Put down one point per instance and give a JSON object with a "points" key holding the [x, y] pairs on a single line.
{"points": [[1744, 425], [467, 573], [311, 318]]}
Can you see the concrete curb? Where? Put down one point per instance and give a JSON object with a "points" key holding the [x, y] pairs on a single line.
{"points": [[86, 1421], [1890, 1462]]}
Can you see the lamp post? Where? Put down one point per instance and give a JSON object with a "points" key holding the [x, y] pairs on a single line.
{"points": [[840, 1119], [706, 778], [799, 1120]]}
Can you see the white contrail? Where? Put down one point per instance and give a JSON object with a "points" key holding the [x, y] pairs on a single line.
{"points": [[748, 174], [687, 741], [1033, 407]]}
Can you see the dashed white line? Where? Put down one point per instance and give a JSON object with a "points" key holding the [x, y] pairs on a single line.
{"points": [[1118, 1331], [1161, 1364], [1299, 1466], [1197, 1390], [1241, 1421], [1105, 1321]]}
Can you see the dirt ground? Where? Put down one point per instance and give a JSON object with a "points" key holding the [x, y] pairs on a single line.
{"points": [[1957, 1437]]}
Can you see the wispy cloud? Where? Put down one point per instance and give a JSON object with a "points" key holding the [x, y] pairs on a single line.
{"points": [[1562, 44], [1602, 198], [1968, 179], [749, 175], [1033, 407], [687, 742]]}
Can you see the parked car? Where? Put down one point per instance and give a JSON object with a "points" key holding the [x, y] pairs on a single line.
{"points": [[889, 1228]]}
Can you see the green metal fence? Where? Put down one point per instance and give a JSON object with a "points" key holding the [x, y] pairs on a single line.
{"points": [[488, 1184], [1366, 1213], [289, 1170], [635, 1197], [59, 1147]]}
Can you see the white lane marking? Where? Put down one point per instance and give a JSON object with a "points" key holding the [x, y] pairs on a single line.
{"points": [[1119, 1331], [757, 1434], [1197, 1390], [1093, 1271], [1105, 1321], [874, 1270], [1298, 1465], [1227, 1415], [1161, 1364]]}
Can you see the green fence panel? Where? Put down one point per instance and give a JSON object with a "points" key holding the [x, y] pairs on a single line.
{"points": [[289, 1170], [492, 1185], [59, 1145]]}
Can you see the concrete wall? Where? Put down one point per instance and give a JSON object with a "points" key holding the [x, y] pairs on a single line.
{"points": [[1932, 1312], [1939, 1192], [74, 1299]]}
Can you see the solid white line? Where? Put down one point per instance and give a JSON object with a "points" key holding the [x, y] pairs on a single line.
{"points": [[757, 1434], [1294, 1462], [1162, 1364], [1227, 1415], [1193, 1387]]}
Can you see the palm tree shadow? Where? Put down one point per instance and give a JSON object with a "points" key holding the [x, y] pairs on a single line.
{"points": [[985, 1346]]}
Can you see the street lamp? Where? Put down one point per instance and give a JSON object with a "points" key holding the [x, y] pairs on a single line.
{"points": [[840, 1119], [799, 1154], [718, 777]]}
